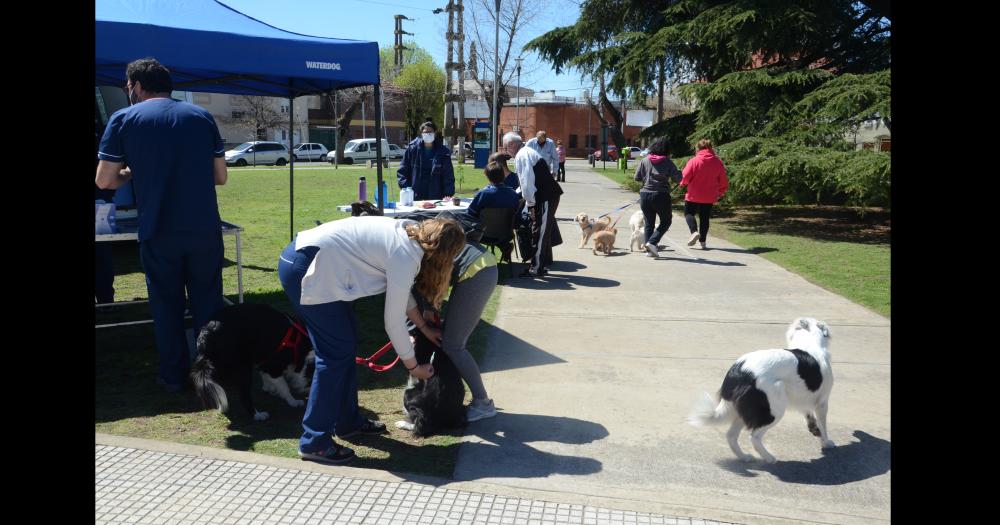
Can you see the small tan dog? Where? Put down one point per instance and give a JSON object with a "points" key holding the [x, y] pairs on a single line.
{"points": [[604, 241], [589, 227]]}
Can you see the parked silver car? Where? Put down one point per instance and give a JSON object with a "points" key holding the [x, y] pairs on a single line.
{"points": [[258, 152]]}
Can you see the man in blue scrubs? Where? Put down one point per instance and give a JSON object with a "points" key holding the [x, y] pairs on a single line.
{"points": [[175, 159]]}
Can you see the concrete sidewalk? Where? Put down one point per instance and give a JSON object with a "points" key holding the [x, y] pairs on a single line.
{"points": [[153, 482], [595, 368]]}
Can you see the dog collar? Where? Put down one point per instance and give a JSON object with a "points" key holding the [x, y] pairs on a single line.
{"points": [[589, 226]]}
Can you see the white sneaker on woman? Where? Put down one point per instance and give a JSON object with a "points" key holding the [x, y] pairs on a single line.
{"points": [[478, 410], [694, 238]]}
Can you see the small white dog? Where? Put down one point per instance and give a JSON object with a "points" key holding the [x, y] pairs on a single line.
{"points": [[762, 384], [638, 224]]}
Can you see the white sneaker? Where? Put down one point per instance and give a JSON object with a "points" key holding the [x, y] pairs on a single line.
{"points": [[477, 411], [648, 254], [651, 248], [694, 238]]}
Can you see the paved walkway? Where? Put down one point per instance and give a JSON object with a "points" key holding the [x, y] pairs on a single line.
{"points": [[596, 366], [141, 481]]}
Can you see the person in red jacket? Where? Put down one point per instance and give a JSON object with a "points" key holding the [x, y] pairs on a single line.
{"points": [[705, 178]]}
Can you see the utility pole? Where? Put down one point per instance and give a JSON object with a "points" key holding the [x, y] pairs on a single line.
{"points": [[398, 48], [449, 67], [460, 129], [517, 102], [495, 143]]}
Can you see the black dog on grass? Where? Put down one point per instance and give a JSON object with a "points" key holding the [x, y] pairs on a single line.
{"points": [[434, 404], [240, 337]]}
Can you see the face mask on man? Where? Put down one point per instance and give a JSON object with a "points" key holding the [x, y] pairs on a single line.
{"points": [[428, 137]]}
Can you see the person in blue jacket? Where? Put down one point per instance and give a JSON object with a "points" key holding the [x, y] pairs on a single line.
{"points": [[426, 166], [496, 194]]}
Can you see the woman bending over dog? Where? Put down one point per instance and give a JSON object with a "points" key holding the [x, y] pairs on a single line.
{"points": [[323, 271]]}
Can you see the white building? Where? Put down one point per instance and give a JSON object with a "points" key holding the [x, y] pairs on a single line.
{"points": [[226, 109]]}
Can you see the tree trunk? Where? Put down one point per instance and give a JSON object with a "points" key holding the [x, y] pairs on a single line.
{"points": [[616, 122], [660, 80], [344, 124]]}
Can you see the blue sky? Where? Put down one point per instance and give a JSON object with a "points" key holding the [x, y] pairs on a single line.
{"points": [[373, 20]]}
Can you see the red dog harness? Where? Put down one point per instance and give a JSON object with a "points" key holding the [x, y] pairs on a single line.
{"points": [[292, 340]]}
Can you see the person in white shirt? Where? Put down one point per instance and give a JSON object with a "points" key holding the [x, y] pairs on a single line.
{"points": [[323, 271], [541, 195], [547, 149]]}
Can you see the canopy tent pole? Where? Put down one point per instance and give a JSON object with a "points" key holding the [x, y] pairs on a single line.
{"points": [[378, 145], [291, 166]]}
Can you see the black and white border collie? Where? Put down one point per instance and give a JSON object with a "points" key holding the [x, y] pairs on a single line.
{"points": [[434, 404], [762, 384], [240, 337]]}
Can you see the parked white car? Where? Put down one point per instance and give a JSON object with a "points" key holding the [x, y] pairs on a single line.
{"points": [[634, 152], [258, 152], [396, 152], [361, 150], [310, 151]]}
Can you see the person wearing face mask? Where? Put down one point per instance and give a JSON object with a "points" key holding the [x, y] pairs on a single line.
{"points": [[547, 149], [175, 159], [426, 166]]}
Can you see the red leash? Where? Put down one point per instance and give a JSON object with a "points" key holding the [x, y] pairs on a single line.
{"points": [[371, 360], [382, 368]]}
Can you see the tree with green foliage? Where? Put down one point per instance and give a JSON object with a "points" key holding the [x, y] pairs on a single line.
{"points": [[777, 83], [424, 83]]}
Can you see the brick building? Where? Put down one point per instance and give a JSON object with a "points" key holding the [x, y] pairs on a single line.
{"points": [[562, 118]]}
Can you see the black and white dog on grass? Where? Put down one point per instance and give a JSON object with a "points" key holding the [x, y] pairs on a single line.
{"points": [[762, 384], [435, 404], [240, 337]]}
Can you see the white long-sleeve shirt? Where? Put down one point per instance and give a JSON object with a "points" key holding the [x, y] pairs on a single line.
{"points": [[362, 256], [524, 164], [547, 151]]}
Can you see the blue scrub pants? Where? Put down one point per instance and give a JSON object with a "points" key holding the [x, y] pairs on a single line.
{"points": [[174, 262], [333, 330], [104, 273]]}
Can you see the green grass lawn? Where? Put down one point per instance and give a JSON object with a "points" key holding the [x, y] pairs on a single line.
{"points": [[840, 249], [128, 401]]}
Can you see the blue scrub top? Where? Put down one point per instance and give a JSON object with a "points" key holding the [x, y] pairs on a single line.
{"points": [[169, 145]]}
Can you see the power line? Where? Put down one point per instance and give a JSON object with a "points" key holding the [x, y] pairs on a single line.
{"points": [[393, 5]]}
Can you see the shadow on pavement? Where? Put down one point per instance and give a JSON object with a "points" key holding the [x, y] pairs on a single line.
{"points": [[856, 461], [699, 261], [509, 352], [756, 250], [559, 282], [506, 453]]}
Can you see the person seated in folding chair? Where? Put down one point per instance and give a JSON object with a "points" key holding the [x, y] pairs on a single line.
{"points": [[496, 194]]}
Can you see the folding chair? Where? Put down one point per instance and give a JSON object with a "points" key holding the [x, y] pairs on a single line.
{"points": [[498, 232]]}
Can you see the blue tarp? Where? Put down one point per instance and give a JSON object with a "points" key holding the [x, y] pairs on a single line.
{"points": [[213, 48]]}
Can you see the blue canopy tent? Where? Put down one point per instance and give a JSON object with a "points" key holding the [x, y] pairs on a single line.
{"points": [[210, 47]]}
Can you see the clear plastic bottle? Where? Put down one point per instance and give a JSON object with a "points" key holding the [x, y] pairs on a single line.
{"points": [[406, 196]]}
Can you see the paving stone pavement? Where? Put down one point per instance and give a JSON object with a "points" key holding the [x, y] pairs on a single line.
{"points": [[154, 487]]}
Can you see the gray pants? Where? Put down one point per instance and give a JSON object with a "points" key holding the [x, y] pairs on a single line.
{"points": [[465, 306]]}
